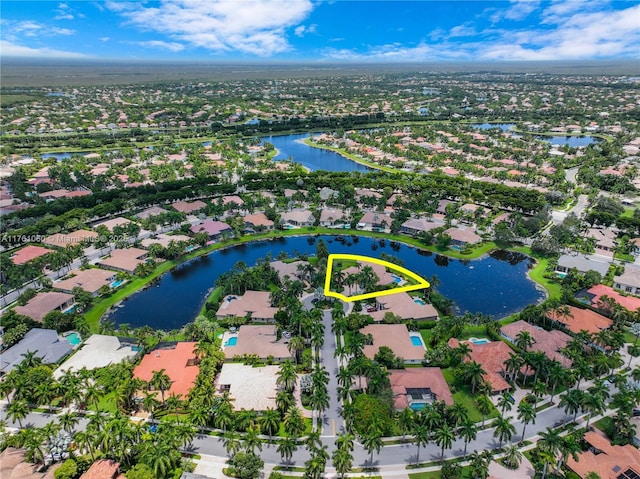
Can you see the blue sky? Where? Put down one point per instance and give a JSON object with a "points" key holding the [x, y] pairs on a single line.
{"points": [[324, 31]]}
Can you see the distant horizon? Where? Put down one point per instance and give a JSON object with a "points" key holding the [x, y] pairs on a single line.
{"points": [[301, 31]]}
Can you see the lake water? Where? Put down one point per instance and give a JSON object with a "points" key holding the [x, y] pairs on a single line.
{"points": [[497, 284], [312, 158], [572, 141], [489, 126]]}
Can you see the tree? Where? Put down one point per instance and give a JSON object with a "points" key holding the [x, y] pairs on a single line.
{"points": [[342, 460], [270, 421], [286, 376], [160, 381], [140, 471], [293, 422], [504, 430], [550, 442], [420, 438], [17, 410], [252, 440], [246, 465], [526, 414], [524, 340], [67, 470], [286, 448], [468, 431], [474, 374], [444, 438], [485, 406], [512, 456], [504, 402], [372, 441]]}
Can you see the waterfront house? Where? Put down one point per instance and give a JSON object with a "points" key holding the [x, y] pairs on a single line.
{"points": [[124, 259], [301, 218], [581, 263], [252, 304], [215, 230], [89, 280]]}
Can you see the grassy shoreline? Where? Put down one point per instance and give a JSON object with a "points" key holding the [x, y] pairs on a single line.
{"points": [[97, 311]]}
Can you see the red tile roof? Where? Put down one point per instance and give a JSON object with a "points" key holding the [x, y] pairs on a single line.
{"points": [[178, 362], [630, 303], [548, 342], [102, 469], [418, 378], [611, 463], [492, 356], [28, 253], [582, 319]]}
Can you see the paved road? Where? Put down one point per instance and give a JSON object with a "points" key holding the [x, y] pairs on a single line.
{"points": [[559, 216]]}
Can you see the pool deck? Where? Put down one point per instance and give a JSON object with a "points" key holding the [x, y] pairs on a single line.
{"points": [[96, 352]]}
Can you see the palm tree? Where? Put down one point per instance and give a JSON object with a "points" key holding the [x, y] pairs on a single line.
{"points": [[512, 456], [293, 422], [485, 406], [420, 438], [504, 402], [504, 430], [270, 421], [479, 463], [372, 441], [295, 346], [286, 377], [286, 448], [474, 374], [444, 438], [150, 403], [231, 443], [252, 440], [550, 442], [557, 374], [594, 404], [17, 411], [342, 459], [160, 380], [526, 414], [174, 401], [468, 431], [68, 420], [524, 340], [284, 401]]}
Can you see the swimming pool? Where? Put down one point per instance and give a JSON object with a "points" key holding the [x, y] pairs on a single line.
{"points": [[116, 283], [396, 279], [417, 406], [73, 338], [232, 341], [419, 301], [416, 340], [479, 340]]}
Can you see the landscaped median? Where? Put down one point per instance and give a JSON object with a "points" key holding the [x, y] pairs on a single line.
{"points": [[94, 315]]}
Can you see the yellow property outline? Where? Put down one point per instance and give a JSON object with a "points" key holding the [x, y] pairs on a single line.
{"points": [[422, 283]]}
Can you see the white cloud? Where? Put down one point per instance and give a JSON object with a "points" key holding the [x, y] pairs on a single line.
{"points": [[159, 44], [63, 12], [519, 10], [249, 26], [62, 31], [395, 52], [10, 49], [301, 30], [104, 39]]}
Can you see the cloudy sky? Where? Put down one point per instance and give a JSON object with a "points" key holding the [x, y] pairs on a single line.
{"points": [[323, 30]]}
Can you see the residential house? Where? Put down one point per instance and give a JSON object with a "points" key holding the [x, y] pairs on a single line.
{"points": [[491, 356], [164, 240], [416, 388], [372, 220], [580, 319], [124, 259], [45, 343], [462, 237], [29, 253], [253, 304], [629, 281], [178, 361], [74, 238], [595, 294], [99, 351], [252, 388], [442, 206], [581, 263], [89, 280], [150, 213], [44, 303], [332, 217], [258, 340], [288, 270], [605, 460], [605, 240], [548, 342], [103, 469], [113, 223], [258, 222], [404, 306], [189, 207], [300, 218], [215, 230], [414, 226], [397, 338]]}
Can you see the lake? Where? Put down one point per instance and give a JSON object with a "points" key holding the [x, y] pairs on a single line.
{"points": [[496, 284], [312, 158]]}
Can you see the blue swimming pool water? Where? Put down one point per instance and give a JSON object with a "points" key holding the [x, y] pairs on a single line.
{"points": [[417, 406], [396, 279], [479, 340], [419, 301], [73, 338], [416, 341], [116, 283], [232, 341]]}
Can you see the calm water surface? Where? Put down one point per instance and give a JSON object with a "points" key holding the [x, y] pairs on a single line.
{"points": [[495, 284]]}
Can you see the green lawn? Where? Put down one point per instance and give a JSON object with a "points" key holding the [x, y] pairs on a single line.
{"points": [[463, 395]]}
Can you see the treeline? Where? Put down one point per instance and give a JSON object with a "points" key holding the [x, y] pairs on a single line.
{"points": [[456, 188], [41, 219]]}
